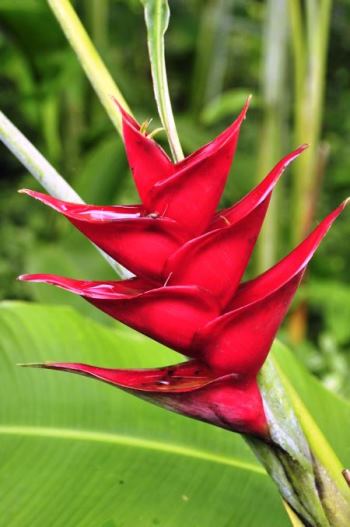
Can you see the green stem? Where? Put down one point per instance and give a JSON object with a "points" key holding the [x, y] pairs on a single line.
{"points": [[157, 15], [90, 60], [298, 457], [43, 172], [35, 162]]}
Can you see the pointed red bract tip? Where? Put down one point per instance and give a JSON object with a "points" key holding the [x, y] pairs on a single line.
{"points": [[180, 378], [189, 261], [234, 232], [239, 340], [170, 315], [139, 242], [149, 163], [244, 206], [218, 141], [192, 193], [125, 114], [87, 213], [190, 389], [95, 290], [292, 264], [186, 191], [345, 202]]}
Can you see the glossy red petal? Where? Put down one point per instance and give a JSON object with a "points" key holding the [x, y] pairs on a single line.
{"points": [[126, 115], [171, 315], [148, 162], [93, 289], [180, 378], [217, 260], [191, 195], [189, 389], [239, 341], [140, 243], [228, 404], [248, 203], [217, 142], [290, 265]]}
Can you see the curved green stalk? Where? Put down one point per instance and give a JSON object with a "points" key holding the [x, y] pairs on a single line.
{"points": [[157, 16], [317, 441], [43, 172], [299, 458], [90, 60], [35, 162]]}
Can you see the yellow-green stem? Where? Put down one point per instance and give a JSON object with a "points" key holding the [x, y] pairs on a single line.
{"points": [[43, 172], [90, 60], [157, 15], [298, 456]]}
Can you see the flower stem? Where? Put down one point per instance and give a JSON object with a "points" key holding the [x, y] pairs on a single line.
{"points": [[90, 60], [43, 172], [35, 162], [298, 457], [157, 15]]}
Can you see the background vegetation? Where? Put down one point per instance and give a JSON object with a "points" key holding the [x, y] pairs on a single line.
{"points": [[218, 51]]}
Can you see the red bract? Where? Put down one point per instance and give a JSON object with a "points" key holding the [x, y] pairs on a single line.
{"points": [[187, 293]]}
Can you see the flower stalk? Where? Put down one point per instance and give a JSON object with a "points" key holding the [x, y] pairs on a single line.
{"points": [[157, 16], [44, 172], [298, 457], [35, 162], [100, 78]]}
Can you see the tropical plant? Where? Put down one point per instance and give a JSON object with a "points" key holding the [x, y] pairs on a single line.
{"points": [[187, 294]]}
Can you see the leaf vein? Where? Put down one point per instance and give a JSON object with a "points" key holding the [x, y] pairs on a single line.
{"points": [[108, 438]]}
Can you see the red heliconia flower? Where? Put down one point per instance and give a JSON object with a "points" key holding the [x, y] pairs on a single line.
{"points": [[188, 262]]}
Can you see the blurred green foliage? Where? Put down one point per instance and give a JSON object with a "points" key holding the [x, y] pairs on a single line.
{"points": [[214, 59]]}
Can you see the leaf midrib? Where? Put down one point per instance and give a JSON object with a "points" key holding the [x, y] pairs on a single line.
{"points": [[116, 439]]}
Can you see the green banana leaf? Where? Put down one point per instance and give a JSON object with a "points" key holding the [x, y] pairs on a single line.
{"points": [[79, 453]]}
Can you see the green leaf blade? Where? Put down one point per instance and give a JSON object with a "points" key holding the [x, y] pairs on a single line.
{"points": [[81, 453]]}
